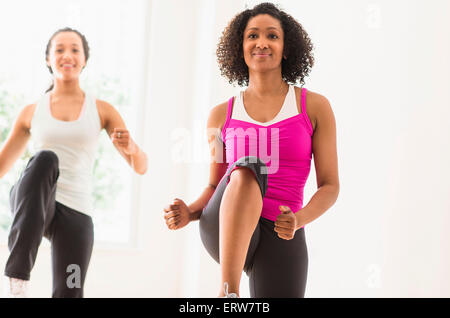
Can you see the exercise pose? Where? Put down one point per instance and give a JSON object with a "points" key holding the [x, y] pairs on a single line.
{"points": [[251, 214], [52, 197]]}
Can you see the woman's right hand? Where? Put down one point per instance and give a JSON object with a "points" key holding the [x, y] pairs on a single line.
{"points": [[177, 214]]}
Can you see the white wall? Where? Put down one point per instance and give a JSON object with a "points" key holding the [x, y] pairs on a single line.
{"points": [[384, 67]]}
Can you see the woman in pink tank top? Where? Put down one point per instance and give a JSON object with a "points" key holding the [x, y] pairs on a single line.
{"points": [[253, 219]]}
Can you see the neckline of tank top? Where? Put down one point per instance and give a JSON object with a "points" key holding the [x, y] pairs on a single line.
{"points": [[80, 116], [274, 120], [283, 121], [265, 124]]}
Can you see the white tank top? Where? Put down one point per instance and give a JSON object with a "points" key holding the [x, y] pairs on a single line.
{"points": [[288, 109], [75, 144]]}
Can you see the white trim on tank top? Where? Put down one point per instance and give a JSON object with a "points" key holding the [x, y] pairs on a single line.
{"points": [[288, 109]]}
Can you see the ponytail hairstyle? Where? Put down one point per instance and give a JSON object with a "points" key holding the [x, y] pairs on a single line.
{"points": [[49, 44]]}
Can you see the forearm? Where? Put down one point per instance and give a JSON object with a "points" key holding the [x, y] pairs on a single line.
{"points": [[321, 201], [4, 165], [9, 153], [138, 161], [197, 206], [3, 169]]}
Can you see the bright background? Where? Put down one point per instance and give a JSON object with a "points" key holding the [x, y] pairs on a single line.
{"points": [[384, 67]]}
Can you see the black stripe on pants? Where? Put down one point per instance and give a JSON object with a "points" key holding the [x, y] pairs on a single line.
{"points": [[36, 214], [276, 267]]}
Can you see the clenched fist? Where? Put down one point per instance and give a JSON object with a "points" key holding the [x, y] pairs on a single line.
{"points": [[286, 223], [177, 214], [121, 139]]}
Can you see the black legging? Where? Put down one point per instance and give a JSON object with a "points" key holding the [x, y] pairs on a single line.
{"points": [[276, 267], [36, 214]]}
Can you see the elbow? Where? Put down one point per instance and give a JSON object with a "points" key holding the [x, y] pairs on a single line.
{"points": [[336, 189], [140, 167], [141, 171], [334, 185], [333, 193], [332, 188]]}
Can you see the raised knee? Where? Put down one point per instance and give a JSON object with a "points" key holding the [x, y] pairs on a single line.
{"points": [[242, 174], [44, 163], [46, 159], [253, 163], [251, 168]]}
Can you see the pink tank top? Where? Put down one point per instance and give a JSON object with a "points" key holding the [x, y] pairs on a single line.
{"points": [[284, 146]]}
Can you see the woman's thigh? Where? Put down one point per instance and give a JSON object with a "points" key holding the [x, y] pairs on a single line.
{"points": [[209, 220]]}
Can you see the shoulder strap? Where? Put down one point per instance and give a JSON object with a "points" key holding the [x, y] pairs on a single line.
{"points": [[229, 112], [303, 101], [230, 108], [42, 110], [305, 114], [92, 111]]}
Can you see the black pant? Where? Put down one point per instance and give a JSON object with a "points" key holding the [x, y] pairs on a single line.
{"points": [[276, 267], [36, 214]]}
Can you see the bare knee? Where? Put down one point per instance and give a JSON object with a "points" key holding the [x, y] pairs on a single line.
{"points": [[243, 176]]}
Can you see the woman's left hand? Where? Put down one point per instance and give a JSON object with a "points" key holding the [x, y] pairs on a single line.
{"points": [[286, 223], [122, 140]]}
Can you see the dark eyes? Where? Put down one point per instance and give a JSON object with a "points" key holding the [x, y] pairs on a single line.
{"points": [[270, 36], [61, 50]]}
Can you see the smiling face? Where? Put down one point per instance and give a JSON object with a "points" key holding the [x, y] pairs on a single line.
{"points": [[263, 43], [66, 56]]}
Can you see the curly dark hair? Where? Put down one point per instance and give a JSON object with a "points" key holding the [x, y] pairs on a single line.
{"points": [[297, 47]]}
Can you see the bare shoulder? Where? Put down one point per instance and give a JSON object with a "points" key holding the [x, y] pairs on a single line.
{"points": [[28, 109], [218, 116], [103, 106], [105, 110], [26, 115], [318, 107]]}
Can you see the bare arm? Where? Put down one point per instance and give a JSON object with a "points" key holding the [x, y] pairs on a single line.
{"points": [[178, 214], [121, 138], [218, 165], [17, 140], [325, 161]]}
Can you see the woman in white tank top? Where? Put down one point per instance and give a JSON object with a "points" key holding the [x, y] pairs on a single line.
{"points": [[52, 198]]}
